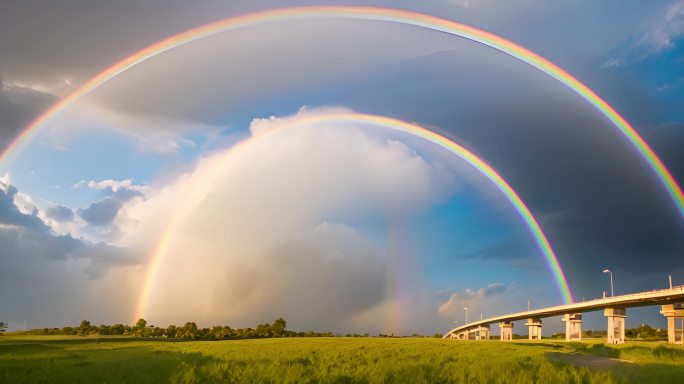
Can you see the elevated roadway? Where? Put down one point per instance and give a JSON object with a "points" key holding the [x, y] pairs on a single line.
{"points": [[614, 308]]}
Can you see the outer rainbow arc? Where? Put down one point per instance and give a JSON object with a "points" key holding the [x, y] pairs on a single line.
{"points": [[389, 123], [366, 13], [379, 14]]}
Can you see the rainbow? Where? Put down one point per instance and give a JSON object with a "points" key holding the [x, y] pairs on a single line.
{"points": [[376, 14], [380, 121], [364, 13]]}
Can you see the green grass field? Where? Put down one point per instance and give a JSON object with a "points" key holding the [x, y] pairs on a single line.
{"points": [[30, 359]]}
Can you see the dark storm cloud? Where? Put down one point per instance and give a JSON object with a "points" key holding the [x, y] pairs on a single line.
{"points": [[668, 140], [600, 205], [79, 37], [515, 253], [49, 42], [596, 199], [18, 107]]}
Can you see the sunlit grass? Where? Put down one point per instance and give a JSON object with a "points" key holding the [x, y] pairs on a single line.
{"points": [[333, 360]]}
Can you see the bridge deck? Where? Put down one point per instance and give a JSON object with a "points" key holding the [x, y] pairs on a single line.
{"points": [[655, 297]]}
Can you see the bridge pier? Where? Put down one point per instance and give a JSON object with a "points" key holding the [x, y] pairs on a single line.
{"points": [[675, 317], [506, 330], [616, 324], [535, 328], [482, 332], [573, 326]]}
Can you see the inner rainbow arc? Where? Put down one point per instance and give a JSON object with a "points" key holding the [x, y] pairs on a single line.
{"points": [[366, 13], [393, 124]]}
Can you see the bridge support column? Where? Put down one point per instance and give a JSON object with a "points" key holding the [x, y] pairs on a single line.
{"points": [[506, 330], [573, 326], [535, 328], [616, 324], [675, 322], [482, 332]]}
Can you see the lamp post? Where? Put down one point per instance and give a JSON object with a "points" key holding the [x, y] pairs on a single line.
{"points": [[611, 280], [466, 309]]}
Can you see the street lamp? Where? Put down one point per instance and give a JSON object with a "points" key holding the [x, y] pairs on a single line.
{"points": [[466, 309], [611, 280]]}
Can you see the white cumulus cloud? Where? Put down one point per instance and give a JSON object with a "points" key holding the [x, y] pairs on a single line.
{"points": [[266, 228]]}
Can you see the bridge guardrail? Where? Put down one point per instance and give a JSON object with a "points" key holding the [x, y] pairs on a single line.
{"points": [[557, 307]]}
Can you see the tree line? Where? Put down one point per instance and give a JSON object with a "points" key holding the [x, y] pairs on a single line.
{"points": [[644, 332], [189, 331]]}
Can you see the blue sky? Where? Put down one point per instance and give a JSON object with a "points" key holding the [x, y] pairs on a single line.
{"points": [[352, 212]]}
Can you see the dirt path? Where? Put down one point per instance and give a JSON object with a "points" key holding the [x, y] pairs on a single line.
{"points": [[590, 361]]}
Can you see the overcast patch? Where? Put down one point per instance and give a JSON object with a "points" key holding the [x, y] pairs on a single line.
{"points": [[27, 233], [104, 212], [473, 299], [59, 213]]}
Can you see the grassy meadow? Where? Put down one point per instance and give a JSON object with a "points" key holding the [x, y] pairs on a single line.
{"points": [[64, 359]]}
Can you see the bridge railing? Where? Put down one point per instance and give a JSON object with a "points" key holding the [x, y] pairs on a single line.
{"points": [[630, 295], [643, 293]]}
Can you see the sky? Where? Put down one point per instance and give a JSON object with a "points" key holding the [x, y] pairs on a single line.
{"points": [[190, 187]]}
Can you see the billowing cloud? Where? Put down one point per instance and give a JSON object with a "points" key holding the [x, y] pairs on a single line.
{"points": [[103, 215], [269, 226], [41, 268], [113, 185], [11, 214], [474, 300], [40, 237]]}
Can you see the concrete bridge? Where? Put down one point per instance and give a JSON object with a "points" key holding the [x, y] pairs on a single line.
{"points": [[614, 308]]}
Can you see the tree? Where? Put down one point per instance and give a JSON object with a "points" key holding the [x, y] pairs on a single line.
{"points": [[3, 326], [140, 326], [105, 329], [117, 329], [217, 332], [84, 328], [263, 330], [189, 331], [171, 331], [278, 327]]}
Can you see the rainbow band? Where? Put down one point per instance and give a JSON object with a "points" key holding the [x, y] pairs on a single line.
{"points": [[367, 13], [384, 122]]}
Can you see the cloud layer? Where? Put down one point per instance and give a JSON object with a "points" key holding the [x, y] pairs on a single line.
{"points": [[268, 227], [49, 278]]}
